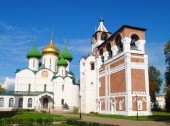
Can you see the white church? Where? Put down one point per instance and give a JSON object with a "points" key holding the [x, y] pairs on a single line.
{"points": [[46, 84]]}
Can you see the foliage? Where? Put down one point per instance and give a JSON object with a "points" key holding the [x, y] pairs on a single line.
{"points": [[26, 118], [1, 88], [94, 113], [155, 82], [167, 53], [84, 123], [167, 100], [167, 75], [76, 110]]}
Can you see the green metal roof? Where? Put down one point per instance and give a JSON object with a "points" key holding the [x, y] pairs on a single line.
{"points": [[65, 54], [22, 93], [60, 56], [62, 62], [34, 53]]}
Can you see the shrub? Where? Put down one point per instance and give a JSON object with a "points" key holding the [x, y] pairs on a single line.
{"points": [[92, 113], [76, 110]]}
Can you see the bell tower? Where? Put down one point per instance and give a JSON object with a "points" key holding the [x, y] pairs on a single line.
{"points": [[99, 36]]}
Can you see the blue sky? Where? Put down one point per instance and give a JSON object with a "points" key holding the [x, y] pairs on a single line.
{"points": [[23, 22]]}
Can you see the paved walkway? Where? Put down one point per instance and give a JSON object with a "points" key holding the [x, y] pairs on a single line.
{"points": [[122, 122], [119, 122]]}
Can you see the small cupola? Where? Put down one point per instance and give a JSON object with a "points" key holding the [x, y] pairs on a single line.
{"points": [[50, 49], [66, 54], [62, 62], [34, 53], [101, 26]]}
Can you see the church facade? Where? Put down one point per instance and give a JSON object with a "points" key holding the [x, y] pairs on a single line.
{"points": [[114, 76], [46, 84]]}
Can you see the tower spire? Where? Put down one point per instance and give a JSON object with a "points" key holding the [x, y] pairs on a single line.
{"points": [[101, 26], [51, 41]]}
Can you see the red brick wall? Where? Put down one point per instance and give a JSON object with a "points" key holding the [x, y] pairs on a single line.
{"points": [[134, 103], [117, 103], [117, 63], [102, 106], [102, 86], [138, 80], [117, 82], [138, 60]]}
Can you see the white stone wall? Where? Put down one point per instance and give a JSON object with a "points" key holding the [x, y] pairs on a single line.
{"points": [[70, 94], [88, 85], [33, 64], [50, 62], [23, 79]]}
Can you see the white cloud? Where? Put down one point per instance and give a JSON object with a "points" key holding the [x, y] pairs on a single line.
{"points": [[8, 83]]}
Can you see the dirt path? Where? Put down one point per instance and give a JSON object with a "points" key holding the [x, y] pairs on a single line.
{"points": [[122, 122]]}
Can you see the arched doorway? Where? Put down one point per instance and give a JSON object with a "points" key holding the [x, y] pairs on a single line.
{"points": [[45, 103]]}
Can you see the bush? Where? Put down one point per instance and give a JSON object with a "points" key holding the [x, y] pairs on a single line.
{"points": [[83, 123], [76, 110], [94, 113]]}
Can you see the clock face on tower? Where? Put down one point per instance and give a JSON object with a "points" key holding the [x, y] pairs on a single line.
{"points": [[103, 36]]}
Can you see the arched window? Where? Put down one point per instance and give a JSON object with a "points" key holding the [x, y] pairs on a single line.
{"points": [[1, 102], [119, 43], [29, 102], [101, 54], [29, 87], [20, 103], [50, 63], [45, 87], [104, 36], [33, 63], [11, 102], [62, 87], [92, 66], [62, 101], [108, 47], [120, 105], [134, 38]]}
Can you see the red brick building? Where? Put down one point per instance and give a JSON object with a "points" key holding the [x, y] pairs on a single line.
{"points": [[120, 73]]}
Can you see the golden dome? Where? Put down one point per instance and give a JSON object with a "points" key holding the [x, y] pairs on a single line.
{"points": [[50, 49]]}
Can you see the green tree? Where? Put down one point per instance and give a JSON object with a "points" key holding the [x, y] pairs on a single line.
{"points": [[155, 82], [167, 75], [1, 89]]}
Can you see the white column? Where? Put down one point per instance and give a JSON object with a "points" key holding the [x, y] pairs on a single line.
{"points": [[126, 44], [128, 100], [106, 55], [147, 85], [114, 50], [141, 45]]}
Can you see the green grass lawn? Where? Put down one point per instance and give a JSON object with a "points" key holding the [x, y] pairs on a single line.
{"points": [[25, 118], [157, 116], [38, 118], [30, 115]]}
